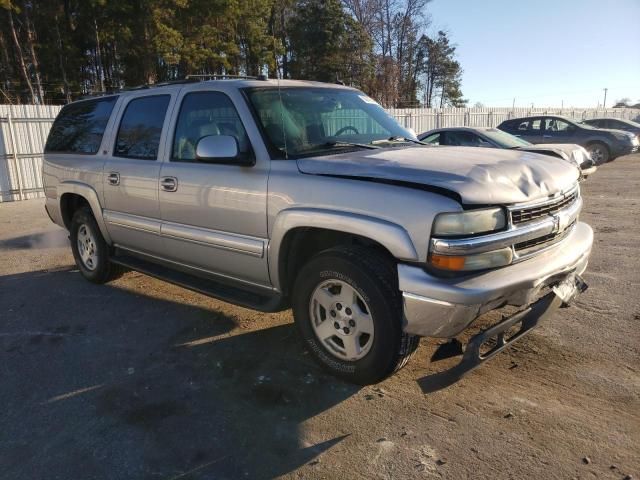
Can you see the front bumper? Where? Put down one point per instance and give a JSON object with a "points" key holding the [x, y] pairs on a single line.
{"points": [[625, 150], [588, 171], [443, 307]]}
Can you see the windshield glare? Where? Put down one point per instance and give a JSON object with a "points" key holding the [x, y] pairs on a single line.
{"points": [[301, 121], [504, 139]]}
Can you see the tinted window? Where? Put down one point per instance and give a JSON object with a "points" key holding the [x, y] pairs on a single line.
{"points": [[79, 126], [535, 125], [557, 125], [203, 114], [141, 127], [508, 126], [460, 139]]}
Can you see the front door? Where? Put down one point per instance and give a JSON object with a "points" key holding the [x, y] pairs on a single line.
{"points": [[214, 216], [557, 130], [530, 130], [131, 172]]}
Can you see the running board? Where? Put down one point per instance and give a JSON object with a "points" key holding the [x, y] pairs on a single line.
{"points": [[264, 302]]}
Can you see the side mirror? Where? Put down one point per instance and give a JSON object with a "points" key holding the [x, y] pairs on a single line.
{"points": [[221, 149]]}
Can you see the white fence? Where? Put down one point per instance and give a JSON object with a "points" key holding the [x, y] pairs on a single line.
{"points": [[23, 132], [24, 129], [423, 119]]}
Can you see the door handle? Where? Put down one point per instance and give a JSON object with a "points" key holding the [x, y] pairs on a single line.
{"points": [[169, 184], [547, 136], [113, 178]]}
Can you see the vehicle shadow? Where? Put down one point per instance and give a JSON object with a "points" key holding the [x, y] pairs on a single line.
{"points": [[51, 239], [104, 382], [439, 381]]}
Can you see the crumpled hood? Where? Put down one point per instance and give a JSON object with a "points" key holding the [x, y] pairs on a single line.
{"points": [[484, 176], [574, 153]]}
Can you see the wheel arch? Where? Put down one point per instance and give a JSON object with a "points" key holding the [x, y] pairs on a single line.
{"points": [[74, 195], [299, 233]]}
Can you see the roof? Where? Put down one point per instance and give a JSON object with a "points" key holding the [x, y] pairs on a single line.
{"points": [[546, 115], [624, 120], [227, 83]]}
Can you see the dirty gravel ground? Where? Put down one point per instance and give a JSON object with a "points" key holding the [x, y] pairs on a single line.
{"points": [[141, 379]]}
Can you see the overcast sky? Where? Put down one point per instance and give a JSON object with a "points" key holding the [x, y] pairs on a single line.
{"points": [[544, 51]]}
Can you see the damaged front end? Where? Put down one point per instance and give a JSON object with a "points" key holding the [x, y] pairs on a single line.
{"points": [[548, 251]]}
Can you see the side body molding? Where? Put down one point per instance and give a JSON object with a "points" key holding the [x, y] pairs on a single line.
{"points": [[84, 190], [393, 237]]}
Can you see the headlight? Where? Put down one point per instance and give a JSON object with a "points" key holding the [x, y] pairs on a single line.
{"points": [[469, 223], [629, 137]]}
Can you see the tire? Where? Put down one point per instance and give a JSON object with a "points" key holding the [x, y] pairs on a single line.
{"points": [[366, 282], [599, 152], [92, 252]]}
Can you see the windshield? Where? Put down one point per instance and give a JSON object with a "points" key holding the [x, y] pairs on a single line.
{"points": [[504, 139], [303, 121]]}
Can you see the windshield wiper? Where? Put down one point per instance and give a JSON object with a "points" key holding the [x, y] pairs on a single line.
{"points": [[398, 138], [349, 144]]}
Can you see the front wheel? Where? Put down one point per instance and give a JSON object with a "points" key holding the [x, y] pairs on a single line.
{"points": [[599, 152], [348, 309]]}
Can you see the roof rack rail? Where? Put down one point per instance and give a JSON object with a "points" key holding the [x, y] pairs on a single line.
{"points": [[161, 84], [97, 94], [223, 76], [187, 79]]}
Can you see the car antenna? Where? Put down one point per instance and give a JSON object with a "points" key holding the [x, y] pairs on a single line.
{"points": [[284, 133]]}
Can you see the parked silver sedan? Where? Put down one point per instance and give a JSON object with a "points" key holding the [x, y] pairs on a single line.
{"points": [[494, 138]]}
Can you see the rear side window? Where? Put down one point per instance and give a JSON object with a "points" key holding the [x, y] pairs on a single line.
{"points": [[141, 127], [79, 127]]}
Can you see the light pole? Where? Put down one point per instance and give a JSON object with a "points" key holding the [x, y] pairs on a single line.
{"points": [[604, 104]]}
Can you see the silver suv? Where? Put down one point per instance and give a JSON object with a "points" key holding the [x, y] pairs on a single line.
{"points": [[298, 194]]}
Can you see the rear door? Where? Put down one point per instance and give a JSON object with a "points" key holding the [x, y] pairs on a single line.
{"points": [[214, 216], [131, 172], [74, 142]]}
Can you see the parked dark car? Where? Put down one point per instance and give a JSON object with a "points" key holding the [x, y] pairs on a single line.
{"points": [[494, 138], [602, 144], [615, 123]]}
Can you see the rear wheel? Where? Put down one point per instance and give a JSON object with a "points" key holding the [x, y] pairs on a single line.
{"points": [[348, 309], [599, 152], [90, 250]]}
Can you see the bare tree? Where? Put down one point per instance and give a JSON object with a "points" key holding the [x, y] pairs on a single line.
{"points": [[20, 55], [31, 34]]}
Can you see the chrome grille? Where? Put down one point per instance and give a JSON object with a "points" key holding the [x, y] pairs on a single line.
{"points": [[529, 214], [535, 244]]}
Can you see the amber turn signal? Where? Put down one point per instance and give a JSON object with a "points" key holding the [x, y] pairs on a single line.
{"points": [[447, 262]]}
